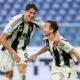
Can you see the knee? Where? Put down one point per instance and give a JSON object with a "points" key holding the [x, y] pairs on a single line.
{"points": [[22, 68], [9, 74]]}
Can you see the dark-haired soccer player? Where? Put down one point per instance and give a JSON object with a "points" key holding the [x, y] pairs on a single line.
{"points": [[14, 39], [63, 66]]}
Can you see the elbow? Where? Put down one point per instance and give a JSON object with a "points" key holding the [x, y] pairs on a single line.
{"points": [[3, 38]]}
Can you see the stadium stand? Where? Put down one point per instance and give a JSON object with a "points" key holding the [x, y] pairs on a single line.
{"points": [[64, 11]]}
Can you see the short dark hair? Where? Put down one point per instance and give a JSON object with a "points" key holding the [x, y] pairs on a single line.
{"points": [[53, 25], [31, 5]]}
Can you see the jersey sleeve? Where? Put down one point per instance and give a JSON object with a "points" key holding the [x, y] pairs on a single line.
{"points": [[12, 25], [39, 23], [8, 30], [66, 46]]}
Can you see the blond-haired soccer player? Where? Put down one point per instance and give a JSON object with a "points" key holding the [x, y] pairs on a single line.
{"points": [[63, 66]]}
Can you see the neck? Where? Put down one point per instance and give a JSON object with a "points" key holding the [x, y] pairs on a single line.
{"points": [[25, 19], [51, 37]]}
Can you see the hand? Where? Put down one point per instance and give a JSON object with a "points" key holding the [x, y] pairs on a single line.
{"points": [[33, 57], [16, 57]]}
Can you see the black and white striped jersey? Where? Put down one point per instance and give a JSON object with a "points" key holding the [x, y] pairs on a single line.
{"points": [[19, 32], [61, 56]]}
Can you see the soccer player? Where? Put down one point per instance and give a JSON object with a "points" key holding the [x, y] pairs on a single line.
{"points": [[14, 39], [63, 66]]}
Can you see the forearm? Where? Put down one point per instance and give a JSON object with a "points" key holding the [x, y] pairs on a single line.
{"points": [[44, 49], [78, 57], [76, 54], [5, 43]]}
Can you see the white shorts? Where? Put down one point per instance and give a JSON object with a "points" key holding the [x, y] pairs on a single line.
{"points": [[7, 61], [64, 73], [23, 56]]}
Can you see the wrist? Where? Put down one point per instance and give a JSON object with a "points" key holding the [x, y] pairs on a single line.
{"points": [[12, 52]]}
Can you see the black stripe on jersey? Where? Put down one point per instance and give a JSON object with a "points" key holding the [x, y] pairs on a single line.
{"points": [[3, 48], [27, 40], [66, 58], [47, 44], [12, 33], [12, 25], [16, 21], [56, 55], [19, 33]]}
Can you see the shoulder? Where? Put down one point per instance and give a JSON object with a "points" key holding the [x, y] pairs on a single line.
{"points": [[14, 20], [16, 17], [65, 45], [38, 23], [63, 39]]}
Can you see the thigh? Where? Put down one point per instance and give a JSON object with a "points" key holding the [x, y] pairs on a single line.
{"points": [[70, 75], [57, 76], [56, 73], [22, 68], [6, 61]]}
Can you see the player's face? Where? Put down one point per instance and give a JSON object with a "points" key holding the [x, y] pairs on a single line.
{"points": [[29, 15], [47, 30]]}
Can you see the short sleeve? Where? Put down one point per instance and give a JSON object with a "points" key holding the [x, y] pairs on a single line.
{"points": [[8, 30], [13, 24], [66, 46]]}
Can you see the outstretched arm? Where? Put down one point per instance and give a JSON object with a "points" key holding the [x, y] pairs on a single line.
{"points": [[41, 51]]}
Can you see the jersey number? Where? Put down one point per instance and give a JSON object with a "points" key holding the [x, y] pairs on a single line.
{"points": [[69, 75]]}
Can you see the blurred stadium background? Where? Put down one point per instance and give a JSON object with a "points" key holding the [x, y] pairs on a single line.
{"points": [[66, 12]]}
